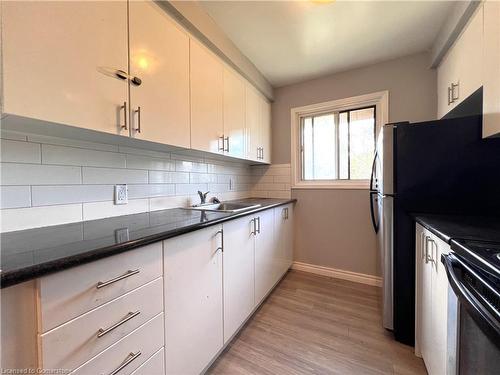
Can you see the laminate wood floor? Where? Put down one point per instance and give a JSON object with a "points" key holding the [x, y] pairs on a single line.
{"points": [[317, 325]]}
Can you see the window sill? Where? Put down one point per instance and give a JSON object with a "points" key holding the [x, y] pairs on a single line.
{"points": [[344, 185]]}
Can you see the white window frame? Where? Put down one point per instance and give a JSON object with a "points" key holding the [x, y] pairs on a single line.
{"points": [[378, 99]]}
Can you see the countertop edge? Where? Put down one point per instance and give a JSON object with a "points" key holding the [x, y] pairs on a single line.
{"points": [[10, 278], [429, 227]]}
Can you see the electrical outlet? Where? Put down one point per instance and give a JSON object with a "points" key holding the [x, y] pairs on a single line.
{"points": [[121, 194]]}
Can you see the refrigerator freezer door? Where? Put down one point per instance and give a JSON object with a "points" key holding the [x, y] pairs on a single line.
{"points": [[384, 165], [385, 244]]}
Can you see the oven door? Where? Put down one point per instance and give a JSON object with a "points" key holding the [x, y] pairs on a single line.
{"points": [[474, 320]]}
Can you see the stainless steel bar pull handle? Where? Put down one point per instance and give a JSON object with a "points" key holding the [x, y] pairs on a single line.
{"points": [[221, 138], [226, 139], [258, 224], [453, 87], [221, 248], [131, 357], [138, 111], [102, 284], [103, 331], [252, 222], [449, 95], [124, 107]]}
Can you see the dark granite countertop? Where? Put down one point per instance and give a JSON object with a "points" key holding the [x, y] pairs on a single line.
{"points": [[31, 253], [448, 227]]}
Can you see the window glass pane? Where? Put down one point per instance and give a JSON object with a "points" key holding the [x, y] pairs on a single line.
{"points": [[307, 149], [318, 148], [343, 146], [361, 142], [324, 147]]}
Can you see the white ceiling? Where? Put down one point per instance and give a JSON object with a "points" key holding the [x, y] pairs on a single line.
{"points": [[292, 41]]}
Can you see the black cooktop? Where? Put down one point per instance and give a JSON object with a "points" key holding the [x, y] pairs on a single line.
{"points": [[483, 254]]}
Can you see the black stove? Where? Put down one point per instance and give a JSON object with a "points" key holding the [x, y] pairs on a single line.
{"points": [[484, 255]]}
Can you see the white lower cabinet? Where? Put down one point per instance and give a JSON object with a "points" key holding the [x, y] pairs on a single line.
{"points": [[193, 300], [431, 301], [283, 227], [239, 273], [266, 256], [165, 308]]}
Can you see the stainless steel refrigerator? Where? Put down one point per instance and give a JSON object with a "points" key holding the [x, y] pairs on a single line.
{"points": [[441, 166]]}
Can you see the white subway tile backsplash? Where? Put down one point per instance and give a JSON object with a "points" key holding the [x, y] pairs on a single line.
{"points": [[36, 138], [15, 196], [196, 178], [190, 166], [63, 155], [157, 177], [99, 210], [19, 151], [190, 189], [36, 174], [34, 217], [65, 194], [141, 151], [150, 190], [148, 162], [93, 175], [52, 180]]}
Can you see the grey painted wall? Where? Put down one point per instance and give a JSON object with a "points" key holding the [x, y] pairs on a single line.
{"points": [[412, 95], [333, 227]]}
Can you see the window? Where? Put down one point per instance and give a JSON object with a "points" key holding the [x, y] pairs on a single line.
{"points": [[334, 142], [338, 145]]}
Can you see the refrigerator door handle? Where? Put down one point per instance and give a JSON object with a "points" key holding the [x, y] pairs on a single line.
{"points": [[373, 171], [372, 211]]}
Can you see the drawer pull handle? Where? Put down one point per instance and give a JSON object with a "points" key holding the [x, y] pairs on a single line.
{"points": [[104, 331], [131, 357], [102, 284]]}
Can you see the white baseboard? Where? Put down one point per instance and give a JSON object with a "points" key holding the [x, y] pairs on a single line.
{"points": [[338, 274]]}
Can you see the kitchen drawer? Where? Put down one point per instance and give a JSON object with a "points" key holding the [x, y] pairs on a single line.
{"points": [[154, 365], [77, 341], [70, 293], [130, 352]]}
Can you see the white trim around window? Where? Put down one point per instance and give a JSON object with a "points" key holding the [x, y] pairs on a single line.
{"points": [[378, 99]]}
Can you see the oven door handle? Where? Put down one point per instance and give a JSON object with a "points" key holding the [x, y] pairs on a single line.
{"points": [[484, 319]]}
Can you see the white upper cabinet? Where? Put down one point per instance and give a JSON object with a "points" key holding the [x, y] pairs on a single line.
{"points": [[253, 122], [265, 133], [159, 57], [491, 69], [258, 126], [460, 73], [207, 127], [234, 114], [61, 62]]}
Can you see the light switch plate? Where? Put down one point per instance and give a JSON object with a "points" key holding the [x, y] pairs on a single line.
{"points": [[121, 194]]}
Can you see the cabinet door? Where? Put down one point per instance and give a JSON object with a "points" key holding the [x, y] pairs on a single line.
{"points": [[206, 99], [446, 74], [426, 305], [234, 114], [159, 56], [266, 258], [469, 53], [419, 264], [491, 69], [265, 132], [239, 276], [439, 306], [193, 300], [289, 233], [253, 117], [60, 61]]}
